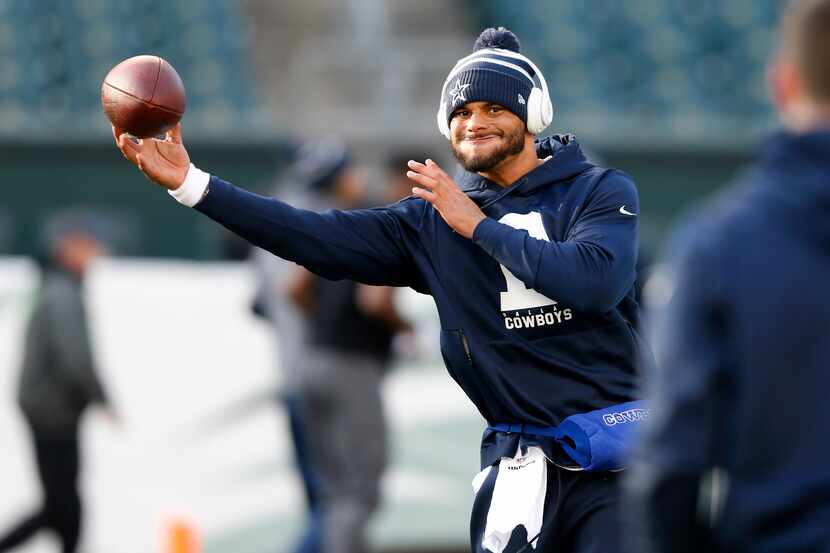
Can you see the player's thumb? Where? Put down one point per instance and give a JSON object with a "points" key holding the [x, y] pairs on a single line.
{"points": [[175, 134]]}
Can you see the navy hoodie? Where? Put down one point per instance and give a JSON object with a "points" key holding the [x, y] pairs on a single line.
{"points": [[743, 357], [537, 311]]}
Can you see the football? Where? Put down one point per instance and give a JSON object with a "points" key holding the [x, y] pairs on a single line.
{"points": [[144, 96]]}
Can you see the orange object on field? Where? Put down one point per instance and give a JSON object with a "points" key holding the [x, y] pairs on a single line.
{"points": [[181, 537]]}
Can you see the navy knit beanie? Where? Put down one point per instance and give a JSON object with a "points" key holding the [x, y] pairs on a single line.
{"points": [[488, 76]]}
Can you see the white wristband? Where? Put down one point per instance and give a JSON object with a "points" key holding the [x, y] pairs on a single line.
{"points": [[193, 188]]}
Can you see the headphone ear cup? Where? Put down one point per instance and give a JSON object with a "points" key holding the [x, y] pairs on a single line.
{"points": [[539, 111], [547, 110], [441, 119]]}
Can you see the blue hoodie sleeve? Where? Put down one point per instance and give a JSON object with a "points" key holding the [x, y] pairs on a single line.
{"points": [[688, 387], [365, 245], [593, 269]]}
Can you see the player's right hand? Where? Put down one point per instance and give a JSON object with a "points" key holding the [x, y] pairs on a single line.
{"points": [[164, 162]]}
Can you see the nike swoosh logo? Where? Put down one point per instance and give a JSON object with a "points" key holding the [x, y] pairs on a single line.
{"points": [[624, 212]]}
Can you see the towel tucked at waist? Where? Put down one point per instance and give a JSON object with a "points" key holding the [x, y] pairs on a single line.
{"points": [[597, 440]]}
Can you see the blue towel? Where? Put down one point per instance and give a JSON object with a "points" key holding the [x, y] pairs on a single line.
{"points": [[599, 440], [596, 441]]}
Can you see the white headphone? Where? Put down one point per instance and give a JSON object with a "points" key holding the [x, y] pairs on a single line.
{"points": [[539, 105]]}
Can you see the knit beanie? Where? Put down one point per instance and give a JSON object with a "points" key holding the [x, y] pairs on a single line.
{"points": [[495, 72]]}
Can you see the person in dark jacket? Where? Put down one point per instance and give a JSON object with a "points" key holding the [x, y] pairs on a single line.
{"points": [[736, 457], [335, 339], [348, 346], [529, 254], [59, 379], [289, 329]]}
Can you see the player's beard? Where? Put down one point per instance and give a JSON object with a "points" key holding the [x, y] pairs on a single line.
{"points": [[512, 143]]}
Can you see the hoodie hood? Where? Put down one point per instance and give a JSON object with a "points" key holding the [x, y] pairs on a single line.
{"points": [[803, 160], [566, 161], [797, 171]]}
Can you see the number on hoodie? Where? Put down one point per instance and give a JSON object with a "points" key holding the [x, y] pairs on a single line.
{"points": [[519, 296]]}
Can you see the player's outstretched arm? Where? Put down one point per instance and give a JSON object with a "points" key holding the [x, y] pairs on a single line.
{"points": [[362, 245], [365, 245], [164, 162]]}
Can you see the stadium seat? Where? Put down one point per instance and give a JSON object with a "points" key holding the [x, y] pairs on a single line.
{"points": [[688, 68], [53, 59]]}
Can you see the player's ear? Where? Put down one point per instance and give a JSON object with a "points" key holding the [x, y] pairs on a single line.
{"points": [[783, 82]]}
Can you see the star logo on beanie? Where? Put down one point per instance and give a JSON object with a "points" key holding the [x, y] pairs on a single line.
{"points": [[457, 92]]}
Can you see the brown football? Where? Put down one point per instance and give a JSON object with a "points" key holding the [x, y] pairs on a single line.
{"points": [[143, 95]]}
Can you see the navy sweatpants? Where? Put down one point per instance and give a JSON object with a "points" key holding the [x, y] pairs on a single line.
{"points": [[582, 514]]}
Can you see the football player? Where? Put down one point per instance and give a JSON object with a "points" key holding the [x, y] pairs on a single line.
{"points": [[529, 252]]}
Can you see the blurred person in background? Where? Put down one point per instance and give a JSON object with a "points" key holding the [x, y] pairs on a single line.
{"points": [[736, 455], [337, 337], [398, 186], [59, 379], [313, 163], [530, 257]]}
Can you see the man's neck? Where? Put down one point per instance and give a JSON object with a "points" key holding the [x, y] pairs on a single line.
{"points": [[516, 166]]}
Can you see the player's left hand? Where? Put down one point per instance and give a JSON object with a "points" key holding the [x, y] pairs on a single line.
{"points": [[437, 187]]}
